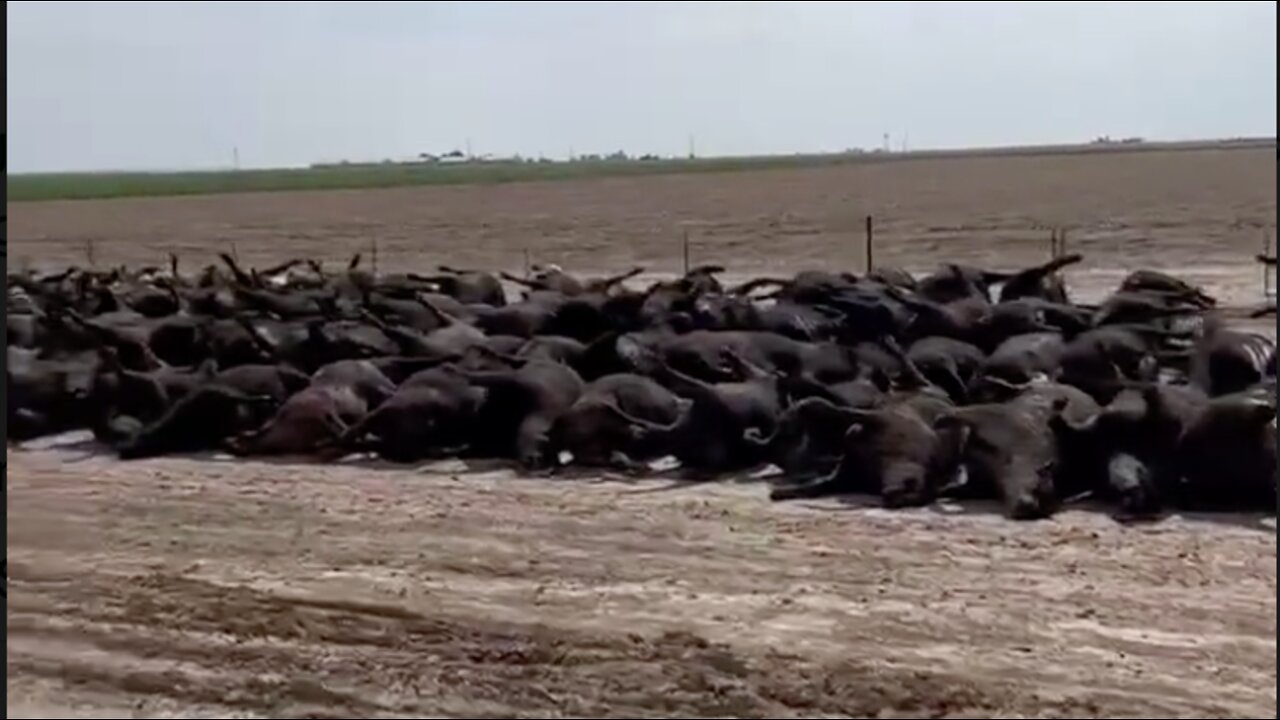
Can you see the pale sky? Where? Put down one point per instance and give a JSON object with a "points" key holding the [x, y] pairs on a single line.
{"points": [[112, 85]]}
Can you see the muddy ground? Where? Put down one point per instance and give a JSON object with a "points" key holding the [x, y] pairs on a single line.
{"points": [[202, 587]]}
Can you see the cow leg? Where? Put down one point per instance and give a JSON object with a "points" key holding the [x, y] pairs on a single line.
{"points": [[27, 424], [821, 487]]}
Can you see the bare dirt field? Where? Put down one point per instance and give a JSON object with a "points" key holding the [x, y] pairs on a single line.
{"points": [[1193, 211], [202, 587]]}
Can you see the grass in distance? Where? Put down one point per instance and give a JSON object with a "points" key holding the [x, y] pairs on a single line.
{"points": [[74, 186], [104, 185]]}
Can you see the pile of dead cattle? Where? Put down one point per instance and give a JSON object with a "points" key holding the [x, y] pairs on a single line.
{"points": [[963, 383]]}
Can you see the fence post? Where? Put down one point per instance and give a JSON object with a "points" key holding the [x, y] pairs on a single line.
{"points": [[870, 244], [373, 252], [528, 264], [88, 252], [686, 250]]}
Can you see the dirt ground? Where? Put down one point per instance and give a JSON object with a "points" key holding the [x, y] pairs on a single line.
{"points": [[185, 588], [204, 587]]}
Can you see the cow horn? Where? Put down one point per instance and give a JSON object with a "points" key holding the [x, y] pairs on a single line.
{"points": [[1006, 384]]}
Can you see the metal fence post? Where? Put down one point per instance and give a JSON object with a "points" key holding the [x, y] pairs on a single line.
{"points": [[870, 250]]}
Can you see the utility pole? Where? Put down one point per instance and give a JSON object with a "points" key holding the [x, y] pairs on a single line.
{"points": [[235, 158]]}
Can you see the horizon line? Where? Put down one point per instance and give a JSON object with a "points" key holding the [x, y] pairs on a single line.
{"points": [[1101, 144]]}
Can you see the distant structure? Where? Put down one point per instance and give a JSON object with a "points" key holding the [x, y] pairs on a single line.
{"points": [[453, 157], [1108, 140]]}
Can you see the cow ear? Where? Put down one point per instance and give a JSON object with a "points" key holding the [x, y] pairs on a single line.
{"points": [[109, 358], [1128, 406], [1151, 397], [208, 368], [630, 349], [1149, 367], [1063, 420]]}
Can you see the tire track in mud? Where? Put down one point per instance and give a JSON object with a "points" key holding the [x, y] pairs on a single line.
{"points": [[193, 641], [187, 588]]}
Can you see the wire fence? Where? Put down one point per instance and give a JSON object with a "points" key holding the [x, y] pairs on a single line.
{"points": [[1226, 260]]}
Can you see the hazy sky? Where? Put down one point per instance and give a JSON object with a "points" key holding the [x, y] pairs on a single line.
{"points": [[172, 85]]}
